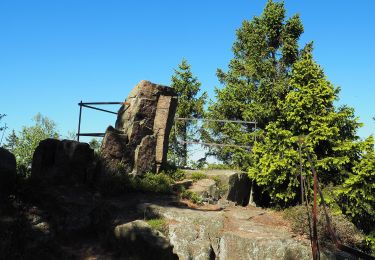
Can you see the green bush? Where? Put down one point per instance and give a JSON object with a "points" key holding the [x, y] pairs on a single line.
{"points": [[161, 183], [192, 196], [196, 176], [370, 244], [176, 174], [345, 231]]}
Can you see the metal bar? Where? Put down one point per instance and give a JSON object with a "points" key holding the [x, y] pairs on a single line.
{"points": [[315, 246], [329, 226], [354, 251], [214, 144], [105, 103], [79, 120], [103, 110], [91, 134], [301, 170], [215, 120]]}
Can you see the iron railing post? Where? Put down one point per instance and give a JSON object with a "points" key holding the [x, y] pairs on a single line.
{"points": [[79, 120]]}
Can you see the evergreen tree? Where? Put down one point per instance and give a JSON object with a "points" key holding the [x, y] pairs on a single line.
{"points": [[190, 105], [11, 141], [329, 134], [356, 197], [264, 51]]}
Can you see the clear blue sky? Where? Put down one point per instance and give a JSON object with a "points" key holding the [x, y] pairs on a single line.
{"points": [[55, 53]]}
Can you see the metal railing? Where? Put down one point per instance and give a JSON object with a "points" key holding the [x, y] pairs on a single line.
{"points": [[214, 120], [91, 105]]}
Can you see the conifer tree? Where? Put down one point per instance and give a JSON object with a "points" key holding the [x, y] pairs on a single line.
{"points": [[264, 51], [356, 197], [328, 133], [190, 105]]}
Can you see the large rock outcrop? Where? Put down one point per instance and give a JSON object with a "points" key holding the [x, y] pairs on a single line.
{"points": [[63, 161], [139, 141], [234, 233], [7, 171]]}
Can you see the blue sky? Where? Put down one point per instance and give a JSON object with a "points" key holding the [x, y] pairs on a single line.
{"points": [[55, 53]]}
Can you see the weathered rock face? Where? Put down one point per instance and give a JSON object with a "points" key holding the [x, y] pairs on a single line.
{"points": [[206, 189], [63, 161], [139, 241], [235, 233], [234, 185], [7, 171], [140, 140]]}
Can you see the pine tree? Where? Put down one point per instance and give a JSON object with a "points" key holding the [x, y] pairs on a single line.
{"points": [[328, 133], [264, 51], [356, 196], [190, 105], [11, 141]]}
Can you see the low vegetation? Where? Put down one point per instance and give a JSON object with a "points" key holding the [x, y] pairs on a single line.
{"points": [[196, 176], [159, 224], [345, 231], [192, 196]]}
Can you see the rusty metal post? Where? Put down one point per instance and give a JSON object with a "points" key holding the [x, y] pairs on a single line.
{"points": [[79, 120], [301, 169], [315, 246], [175, 142]]}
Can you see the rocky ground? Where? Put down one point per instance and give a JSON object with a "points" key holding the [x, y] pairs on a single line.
{"points": [[74, 222]]}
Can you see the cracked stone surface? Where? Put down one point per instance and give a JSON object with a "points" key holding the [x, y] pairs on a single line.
{"points": [[232, 233]]}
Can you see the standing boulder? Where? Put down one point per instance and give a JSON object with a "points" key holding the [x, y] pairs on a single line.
{"points": [[63, 161], [140, 138], [7, 171]]}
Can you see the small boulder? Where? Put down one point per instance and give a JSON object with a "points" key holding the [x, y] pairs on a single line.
{"points": [[63, 161], [7, 171], [137, 240]]}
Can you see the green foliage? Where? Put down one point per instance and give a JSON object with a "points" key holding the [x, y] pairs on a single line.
{"points": [[356, 196], [192, 196], [307, 116], [95, 144], [196, 176], [159, 224], [190, 105], [370, 245], [151, 182], [264, 52], [218, 166], [345, 231], [23, 144], [174, 172]]}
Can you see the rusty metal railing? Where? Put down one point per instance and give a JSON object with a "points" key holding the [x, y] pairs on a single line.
{"points": [[91, 105]]}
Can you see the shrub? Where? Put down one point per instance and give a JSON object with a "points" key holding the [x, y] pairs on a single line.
{"points": [[196, 176], [154, 183], [192, 196], [345, 231], [175, 174]]}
